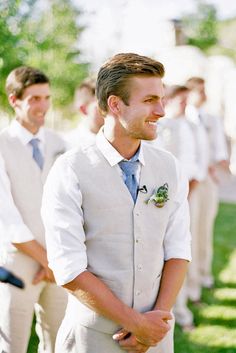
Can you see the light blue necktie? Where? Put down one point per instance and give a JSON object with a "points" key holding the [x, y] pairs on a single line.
{"points": [[130, 168], [37, 155]]}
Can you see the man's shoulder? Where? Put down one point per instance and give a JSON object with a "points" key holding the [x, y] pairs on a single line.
{"points": [[54, 141], [5, 132], [50, 133], [6, 136]]}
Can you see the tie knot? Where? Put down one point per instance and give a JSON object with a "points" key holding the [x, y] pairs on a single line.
{"points": [[34, 142], [129, 167]]}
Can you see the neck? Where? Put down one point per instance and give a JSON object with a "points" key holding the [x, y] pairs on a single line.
{"points": [[31, 128], [125, 145]]}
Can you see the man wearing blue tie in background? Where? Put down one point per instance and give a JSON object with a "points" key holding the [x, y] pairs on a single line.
{"points": [[28, 151], [116, 219]]}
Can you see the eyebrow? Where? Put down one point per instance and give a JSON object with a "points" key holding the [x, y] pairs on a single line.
{"points": [[38, 96], [153, 96]]}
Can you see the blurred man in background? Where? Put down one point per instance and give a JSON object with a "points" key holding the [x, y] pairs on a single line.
{"points": [[85, 104], [28, 150], [212, 151]]}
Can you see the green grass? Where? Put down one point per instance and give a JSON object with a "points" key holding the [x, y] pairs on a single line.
{"points": [[215, 319]]}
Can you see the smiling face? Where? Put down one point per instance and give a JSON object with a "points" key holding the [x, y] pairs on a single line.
{"points": [[32, 107], [138, 119]]}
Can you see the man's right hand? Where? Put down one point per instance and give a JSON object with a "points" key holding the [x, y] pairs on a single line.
{"points": [[43, 274], [150, 330]]}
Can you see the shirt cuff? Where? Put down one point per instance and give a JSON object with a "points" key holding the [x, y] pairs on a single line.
{"points": [[66, 270], [184, 255]]}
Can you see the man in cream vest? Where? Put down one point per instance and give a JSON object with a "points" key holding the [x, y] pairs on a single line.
{"points": [[28, 152], [119, 241]]}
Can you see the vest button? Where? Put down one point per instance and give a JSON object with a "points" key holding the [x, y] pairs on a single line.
{"points": [[138, 292], [140, 267]]}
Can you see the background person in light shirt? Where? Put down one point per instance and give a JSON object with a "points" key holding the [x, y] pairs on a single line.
{"points": [[122, 260], [204, 203], [178, 136], [28, 151], [91, 119]]}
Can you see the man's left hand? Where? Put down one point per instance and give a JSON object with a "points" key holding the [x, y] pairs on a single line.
{"points": [[129, 342]]}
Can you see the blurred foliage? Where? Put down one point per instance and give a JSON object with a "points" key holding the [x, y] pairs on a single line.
{"points": [[201, 26], [226, 39], [44, 35]]}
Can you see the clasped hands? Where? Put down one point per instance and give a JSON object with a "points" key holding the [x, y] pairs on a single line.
{"points": [[151, 329]]}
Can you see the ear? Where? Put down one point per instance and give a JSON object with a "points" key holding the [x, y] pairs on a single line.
{"points": [[12, 100], [114, 103], [83, 109]]}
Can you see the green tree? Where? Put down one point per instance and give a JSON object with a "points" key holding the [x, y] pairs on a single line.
{"points": [[201, 26], [43, 35], [51, 42], [9, 40]]}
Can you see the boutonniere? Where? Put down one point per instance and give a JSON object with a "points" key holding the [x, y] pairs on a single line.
{"points": [[159, 196]]}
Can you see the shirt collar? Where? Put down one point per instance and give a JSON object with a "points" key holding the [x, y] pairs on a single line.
{"points": [[24, 135], [110, 153]]}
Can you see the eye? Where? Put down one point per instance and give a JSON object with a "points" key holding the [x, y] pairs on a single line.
{"points": [[35, 99], [148, 100]]}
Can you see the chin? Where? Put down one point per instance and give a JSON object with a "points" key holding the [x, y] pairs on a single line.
{"points": [[149, 138]]}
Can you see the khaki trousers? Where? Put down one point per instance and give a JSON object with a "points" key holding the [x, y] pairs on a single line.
{"points": [[75, 338], [17, 308], [203, 202]]}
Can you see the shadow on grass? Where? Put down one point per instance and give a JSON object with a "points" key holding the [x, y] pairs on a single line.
{"points": [[220, 284], [184, 344]]}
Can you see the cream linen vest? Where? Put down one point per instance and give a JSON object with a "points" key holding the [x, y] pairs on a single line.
{"points": [[27, 179], [124, 241]]}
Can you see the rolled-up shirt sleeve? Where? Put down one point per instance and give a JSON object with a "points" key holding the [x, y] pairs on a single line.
{"points": [[177, 241], [63, 220]]}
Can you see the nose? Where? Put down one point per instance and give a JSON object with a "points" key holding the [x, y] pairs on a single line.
{"points": [[159, 109], [45, 104]]}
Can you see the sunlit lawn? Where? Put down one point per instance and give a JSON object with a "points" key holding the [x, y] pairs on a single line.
{"points": [[215, 319]]}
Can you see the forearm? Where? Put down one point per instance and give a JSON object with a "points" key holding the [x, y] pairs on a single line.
{"points": [[92, 292], [35, 250], [148, 328], [173, 275]]}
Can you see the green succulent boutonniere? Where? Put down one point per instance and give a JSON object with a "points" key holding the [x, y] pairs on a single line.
{"points": [[159, 196]]}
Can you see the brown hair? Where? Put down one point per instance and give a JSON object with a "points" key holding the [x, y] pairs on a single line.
{"points": [[89, 83], [194, 82], [175, 90], [114, 76], [22, 77]]}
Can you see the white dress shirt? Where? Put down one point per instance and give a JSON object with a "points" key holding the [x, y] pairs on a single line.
{"points": [[176, 136], [78, 136], [217, 140], [62, 213], [25, 136], [203, 145], [13, 228]]}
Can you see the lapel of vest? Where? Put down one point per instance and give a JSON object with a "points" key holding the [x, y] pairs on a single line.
{"points": [[26, 158], [52, 150]]}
